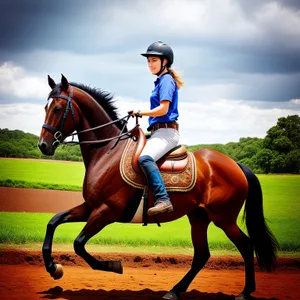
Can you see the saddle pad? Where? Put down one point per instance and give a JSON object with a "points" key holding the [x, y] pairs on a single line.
{"points": [[182, 181]]}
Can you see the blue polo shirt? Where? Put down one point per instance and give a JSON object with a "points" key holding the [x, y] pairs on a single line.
{"points": [[165, 88]]}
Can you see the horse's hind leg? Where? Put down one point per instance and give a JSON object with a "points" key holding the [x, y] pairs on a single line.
{"points": [[243, 243], [199, 224], [98, 219], [76, 214]]}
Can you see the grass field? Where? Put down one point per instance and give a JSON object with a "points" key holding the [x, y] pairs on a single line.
{"points": [[30, 227], [41, 173], [281, 206]]}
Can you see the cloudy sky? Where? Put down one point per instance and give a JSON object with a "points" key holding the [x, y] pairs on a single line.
{"points": [[240, 60]]}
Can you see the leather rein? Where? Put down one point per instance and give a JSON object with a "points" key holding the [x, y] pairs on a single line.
{"points": [[60, 137]]}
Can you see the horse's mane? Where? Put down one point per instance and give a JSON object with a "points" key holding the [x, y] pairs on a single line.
{"points": [[103, 98]]}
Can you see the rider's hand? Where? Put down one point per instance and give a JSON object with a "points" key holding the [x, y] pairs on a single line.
{"points": [[135, 113]]}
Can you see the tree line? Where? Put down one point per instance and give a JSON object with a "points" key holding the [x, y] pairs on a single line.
{"points": [[278, 152], [18, 144]]}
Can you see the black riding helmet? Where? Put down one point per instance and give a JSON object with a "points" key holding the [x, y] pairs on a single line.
{"points": [[162, 50]]}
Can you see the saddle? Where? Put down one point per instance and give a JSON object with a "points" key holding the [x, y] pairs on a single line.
{"points": [[177, 167]]}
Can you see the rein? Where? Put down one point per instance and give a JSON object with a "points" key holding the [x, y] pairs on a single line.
{"points": [[60, 137]]}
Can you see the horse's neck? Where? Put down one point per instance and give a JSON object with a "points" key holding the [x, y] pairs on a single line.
{"points": [[92, 115]]}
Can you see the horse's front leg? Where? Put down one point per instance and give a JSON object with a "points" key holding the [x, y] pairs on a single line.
{"points": [[76, 214], [98, 219]]}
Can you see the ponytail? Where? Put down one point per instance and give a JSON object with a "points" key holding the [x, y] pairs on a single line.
{"points": [[176, 77]]}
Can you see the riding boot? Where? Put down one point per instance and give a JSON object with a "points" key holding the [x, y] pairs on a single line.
{"points": [[150, 169]]}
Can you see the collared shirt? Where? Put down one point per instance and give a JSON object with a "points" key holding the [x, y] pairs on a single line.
{"points": [[165, 88]]}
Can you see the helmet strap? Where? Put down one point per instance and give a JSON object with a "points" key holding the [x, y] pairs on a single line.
{"points": [[162, 68]]}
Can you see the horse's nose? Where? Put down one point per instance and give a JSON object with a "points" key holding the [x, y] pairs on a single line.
{"points": [[46, 148], [42, 145]]}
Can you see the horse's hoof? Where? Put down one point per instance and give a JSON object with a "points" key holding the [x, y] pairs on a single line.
{"points": [[242, 297], [59, 272], [170, 296], [116, 266]]}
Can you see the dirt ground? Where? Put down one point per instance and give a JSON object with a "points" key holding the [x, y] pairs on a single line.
{"points": [[23, 276]]}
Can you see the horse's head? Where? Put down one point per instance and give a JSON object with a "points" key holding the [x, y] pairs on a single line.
{"points": [[62, 116]]}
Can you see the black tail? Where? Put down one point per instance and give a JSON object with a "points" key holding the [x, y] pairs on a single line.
{"points": [[264, 242]]}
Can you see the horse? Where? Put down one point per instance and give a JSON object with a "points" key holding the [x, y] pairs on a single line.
{"points": [[221, 188]]}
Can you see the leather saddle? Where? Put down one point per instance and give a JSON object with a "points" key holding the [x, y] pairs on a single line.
{"points": [[177, 167]]}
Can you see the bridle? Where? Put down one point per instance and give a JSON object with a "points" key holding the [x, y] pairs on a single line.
{"points": [[58, 131], [60, 137]]}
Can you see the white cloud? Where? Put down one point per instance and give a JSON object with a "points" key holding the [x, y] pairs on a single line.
{"points": [[17, 82], [295, 101], [203, 19], [217, 121], [221, 120], [27, 117], [207, 114], [221, 22]]}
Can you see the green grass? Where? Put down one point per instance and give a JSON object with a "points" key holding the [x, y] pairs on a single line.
{"points": [[47, 172], [39, 185], [20, 228], [281, 207], [30, 228], [281, 195]]}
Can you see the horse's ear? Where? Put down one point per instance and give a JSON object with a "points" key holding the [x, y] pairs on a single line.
{"points": [[64, 82], [51, 82]]}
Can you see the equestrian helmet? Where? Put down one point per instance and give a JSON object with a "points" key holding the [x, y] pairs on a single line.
{"points": [[160, 49]]}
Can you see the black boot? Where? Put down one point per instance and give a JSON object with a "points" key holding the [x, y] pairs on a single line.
{"points": [[150, 169]]}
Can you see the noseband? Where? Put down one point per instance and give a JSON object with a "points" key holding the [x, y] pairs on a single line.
{"points": [[59, 136]]}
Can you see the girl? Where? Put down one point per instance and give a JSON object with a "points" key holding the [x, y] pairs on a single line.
{"points": [[163, 115]]}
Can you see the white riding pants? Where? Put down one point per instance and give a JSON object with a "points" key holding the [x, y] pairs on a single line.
{"points": [[161, 142]]}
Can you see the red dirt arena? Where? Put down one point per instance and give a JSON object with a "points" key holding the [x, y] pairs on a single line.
{"points": [[23, 276]]}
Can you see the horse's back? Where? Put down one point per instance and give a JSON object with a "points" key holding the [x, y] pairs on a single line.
{"points": [[225, 183], [221, 165]]}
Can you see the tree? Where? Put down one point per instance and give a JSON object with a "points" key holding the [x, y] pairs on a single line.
{"points": [[278, 164], [252, 164], [16, 143], [278, 152], [293, 161], [8, 150], [282, 144], [286, 131], [284, 140], [263, 158], [290, 127]]}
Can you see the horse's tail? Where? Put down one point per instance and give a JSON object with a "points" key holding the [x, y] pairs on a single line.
{"points": [[264, 242]]}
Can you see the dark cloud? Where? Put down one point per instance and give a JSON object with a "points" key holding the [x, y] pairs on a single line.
{"points": [[29, 24], [293, 4], [55, 24], [279, 89], [27, 28], [251, 7], [262, 62]]}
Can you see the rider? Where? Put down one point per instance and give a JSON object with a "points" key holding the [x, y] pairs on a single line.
{"points": [[163, 115]]}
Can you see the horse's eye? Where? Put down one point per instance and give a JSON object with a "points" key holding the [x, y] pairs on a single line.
{"points": [[57, 110]]}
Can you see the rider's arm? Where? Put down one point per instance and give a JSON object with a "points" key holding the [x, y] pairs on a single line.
{"points": [[158, 111]]}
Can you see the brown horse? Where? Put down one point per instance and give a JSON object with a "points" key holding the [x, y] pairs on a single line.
{"points": [[218, 195]]}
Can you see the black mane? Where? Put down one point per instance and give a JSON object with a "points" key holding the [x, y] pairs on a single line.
{"points": [[104, 99]]}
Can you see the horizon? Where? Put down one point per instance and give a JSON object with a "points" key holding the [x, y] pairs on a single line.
{"points": [[188, 145]]}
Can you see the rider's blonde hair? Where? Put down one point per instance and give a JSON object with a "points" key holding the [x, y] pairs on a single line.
{"points": [[177, 78]]}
